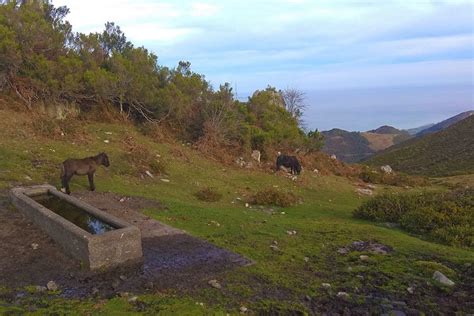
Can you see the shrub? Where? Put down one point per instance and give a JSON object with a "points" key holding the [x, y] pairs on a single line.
{"points": [[271, 196], [208, 194], [142, 159], [447, 217]]}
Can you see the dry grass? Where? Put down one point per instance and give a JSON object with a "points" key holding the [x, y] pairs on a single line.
{"points": [[208, 194], [273, 197]]}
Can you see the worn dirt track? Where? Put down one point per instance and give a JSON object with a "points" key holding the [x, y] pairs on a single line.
{"points": [[172, 258]]}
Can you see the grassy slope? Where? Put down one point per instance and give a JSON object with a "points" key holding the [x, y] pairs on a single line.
{"points": [[279, 280], [449, 152]]}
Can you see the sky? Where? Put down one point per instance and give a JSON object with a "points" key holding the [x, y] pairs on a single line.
{"points": [[361, 64]]}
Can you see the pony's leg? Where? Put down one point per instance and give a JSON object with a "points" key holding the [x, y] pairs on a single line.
{"points": [[91, 181], [65, 182]]}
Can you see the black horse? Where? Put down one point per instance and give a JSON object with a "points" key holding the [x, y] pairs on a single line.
{"points": [[288, 162], [86, 166]]}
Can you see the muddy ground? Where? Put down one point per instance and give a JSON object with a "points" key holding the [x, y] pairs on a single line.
{"points": [[172, 258]]}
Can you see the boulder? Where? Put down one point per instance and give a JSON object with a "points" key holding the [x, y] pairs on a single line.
{"points": [[256, 155], [441, 278], [333, 157], [386, 169]]}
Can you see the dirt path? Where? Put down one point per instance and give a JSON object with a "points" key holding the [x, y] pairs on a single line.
{"points": [[172, 258]]}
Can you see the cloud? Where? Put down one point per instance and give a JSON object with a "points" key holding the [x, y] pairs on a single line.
{"points": [[203, 9]]}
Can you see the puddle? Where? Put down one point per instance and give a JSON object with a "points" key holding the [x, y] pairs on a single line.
{"points": [[74, 214]]}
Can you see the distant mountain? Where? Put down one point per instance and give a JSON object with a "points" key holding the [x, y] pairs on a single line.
{"points": [[416, 130], [357, 146], [386, 129], [444, 153], [444, 124]]}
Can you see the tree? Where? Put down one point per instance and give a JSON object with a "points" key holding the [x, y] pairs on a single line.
{"points": [[294, 102]]}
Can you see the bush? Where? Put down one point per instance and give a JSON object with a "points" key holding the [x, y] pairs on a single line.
{"points": [[396, 179], [141, 159], [274, 197], [447, 217], [208, 195]]}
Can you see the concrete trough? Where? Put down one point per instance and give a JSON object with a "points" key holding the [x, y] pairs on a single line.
{"points": [[118, 245]]}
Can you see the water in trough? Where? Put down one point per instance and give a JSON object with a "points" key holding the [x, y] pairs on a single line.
{"points": [[74, 214]]}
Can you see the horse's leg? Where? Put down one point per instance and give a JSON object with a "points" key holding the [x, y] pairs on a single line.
{"points": [[91, 181], [65, 181]]}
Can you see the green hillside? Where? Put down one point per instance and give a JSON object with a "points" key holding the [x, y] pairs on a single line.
{"points": [[283, 280], [448, 152]]}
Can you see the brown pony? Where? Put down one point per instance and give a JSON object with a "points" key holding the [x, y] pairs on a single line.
{"points": [[82, 167]]}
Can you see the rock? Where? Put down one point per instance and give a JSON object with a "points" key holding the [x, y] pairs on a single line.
{"points": [[122, 200], [441, 278], [106, 141], [133, 299], [387, 169], [306, 259], [364, 258], [342, 251], [282, 213], [291, 232], [28, 178], [256, 155], [52, 286], [108, 133], [333, 157], [411, 290], [165, 180], [40, 288], [243, 309], [214, 284], [34, 246], [326, 286], [122, 277], [148, 173], [364, 191], [343, 295], [247, 205], [396, 313], [316, 171], [240, 161], [274, 248], [95, 291]]}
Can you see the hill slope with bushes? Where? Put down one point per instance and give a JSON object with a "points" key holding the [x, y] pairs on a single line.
{"points": [[448, 152]]}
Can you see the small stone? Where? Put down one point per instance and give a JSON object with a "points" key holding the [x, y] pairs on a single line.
{"points": [[34, 246], [274, 248], [342, 251], [282, 213], [28, 178], [343, 295], [411, 290], [441, 278], [246, 205], [122, 200], [40, 288], [108, 133], [123, 277], [326, 285], [214, 284], [148, 173], [52, 286], [397, 313], [106, 141], [95, 291], [306, 259], [307, 297], [243, 309], [275, 242], [133, 299], [165, 180], [364, 257]]}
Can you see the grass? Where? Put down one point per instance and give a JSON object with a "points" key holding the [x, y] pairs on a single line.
{"points": [[278, 282]]}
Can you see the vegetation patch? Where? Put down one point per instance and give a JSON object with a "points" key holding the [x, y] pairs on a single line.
{"points": [[208, 194], [370, 175], [141, 159], [446, 217], [272, 196]]}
